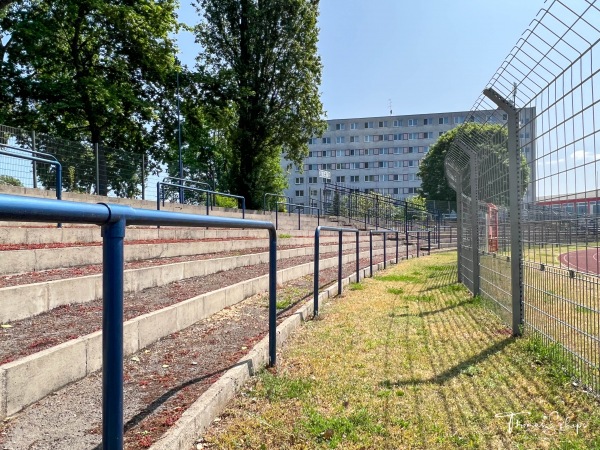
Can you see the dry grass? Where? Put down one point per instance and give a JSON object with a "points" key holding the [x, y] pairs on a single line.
{"points": [[410, 361]]}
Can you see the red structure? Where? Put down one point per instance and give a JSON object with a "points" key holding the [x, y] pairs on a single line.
{"points": [[492, 227]]}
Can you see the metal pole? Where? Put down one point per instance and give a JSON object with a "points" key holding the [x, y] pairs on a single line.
{"points": [[357, 258], [112, 335], [33, 163], [514, 180], [316, 274], [340, 263], [397, 238], [371, 252], [474, 173], [143, 177], [272, 297], [384, 249], [96, 151], [181, 198]]}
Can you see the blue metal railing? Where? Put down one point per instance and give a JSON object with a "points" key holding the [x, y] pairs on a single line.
{"points": [[384, 233], [194, 183], [268, 194], [206, 191], [48, 159], [420, 236], [316, 274], [114, 219], [298, 207]]}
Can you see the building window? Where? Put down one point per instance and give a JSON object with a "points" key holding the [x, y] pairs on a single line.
{"points": [[299, 180], [326, 140], [339, 153], [368, 124], [383, 124], [354, 166], [459, 119], [398, 122], [341, 179], [382, 164], [312, 141], [440, 133], [443, 121], [299, 193], [504, 116], [339, 140], [413, 122], [428, 121], [354, 178], [371, 178], [340, 126], [354, 126], [312, 180], [350, 152], [368, 138], [354, 139]]}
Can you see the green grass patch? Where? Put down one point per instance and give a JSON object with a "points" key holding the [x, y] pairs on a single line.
{"points": [[395, 291], [356, 286], [281, 387], [334, 430], [284, 236], [404, 278]]}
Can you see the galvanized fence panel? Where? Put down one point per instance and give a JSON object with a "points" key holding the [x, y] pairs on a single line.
{"points": [[87, 168], [533, 141]]}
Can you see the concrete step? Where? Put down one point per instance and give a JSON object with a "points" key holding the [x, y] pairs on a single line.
{"points": [[33, 377], [22, 301]]}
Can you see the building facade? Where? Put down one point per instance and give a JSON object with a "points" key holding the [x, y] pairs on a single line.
{"points": [[374, 154]]}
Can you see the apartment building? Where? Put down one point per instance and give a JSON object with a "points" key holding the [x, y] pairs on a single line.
{"points": [[375, 154]]}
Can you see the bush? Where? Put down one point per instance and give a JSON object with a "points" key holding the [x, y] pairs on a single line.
{"points": [[226, 202], [10, 181]]}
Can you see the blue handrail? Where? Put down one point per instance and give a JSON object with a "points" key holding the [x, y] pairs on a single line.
{"points": [[46, 159], [316, 272], [384, 233], [114, 219], [183, 180], [207, 192], [268, 194], [298, 207]]}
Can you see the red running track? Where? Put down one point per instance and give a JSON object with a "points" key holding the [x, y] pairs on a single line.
{"points": [[586, 260]]}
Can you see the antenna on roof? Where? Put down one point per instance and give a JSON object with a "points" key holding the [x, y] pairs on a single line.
{"points": [[390, 105]]}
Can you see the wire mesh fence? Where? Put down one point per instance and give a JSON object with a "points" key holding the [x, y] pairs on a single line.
{"points": [[87, 168], [526, 169]]}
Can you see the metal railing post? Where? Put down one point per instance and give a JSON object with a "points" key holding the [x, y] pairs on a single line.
{"points": [[316, 274], [340, 263], [272, 297], [371, 252], [397, 239], [384, 249], [112, 335], [357, 257]]}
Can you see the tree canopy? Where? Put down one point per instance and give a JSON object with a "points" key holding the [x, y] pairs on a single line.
{"points": [[91, 71], [260, 61], [489, 141]]}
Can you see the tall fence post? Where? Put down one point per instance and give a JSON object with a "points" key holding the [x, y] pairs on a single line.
{"points": [[459, 250], [514, 182], [474, 173], [33, 163], [97, 155]]}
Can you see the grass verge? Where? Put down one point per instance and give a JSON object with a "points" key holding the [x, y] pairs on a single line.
{"points": [[410, 360]]}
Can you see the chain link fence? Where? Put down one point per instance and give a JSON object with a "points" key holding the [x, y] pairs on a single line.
{"points": [[526, 170], [86, 168]]}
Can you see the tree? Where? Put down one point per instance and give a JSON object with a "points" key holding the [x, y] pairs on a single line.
{"points": [[260, 59], [490, 143], [91, 71]]}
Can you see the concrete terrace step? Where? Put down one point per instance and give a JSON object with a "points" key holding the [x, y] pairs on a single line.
{"points": [[37, 259], [22, 301], [31, 378]]}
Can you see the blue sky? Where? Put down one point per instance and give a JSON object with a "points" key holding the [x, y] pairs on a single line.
{"points": [[424, 56]]}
